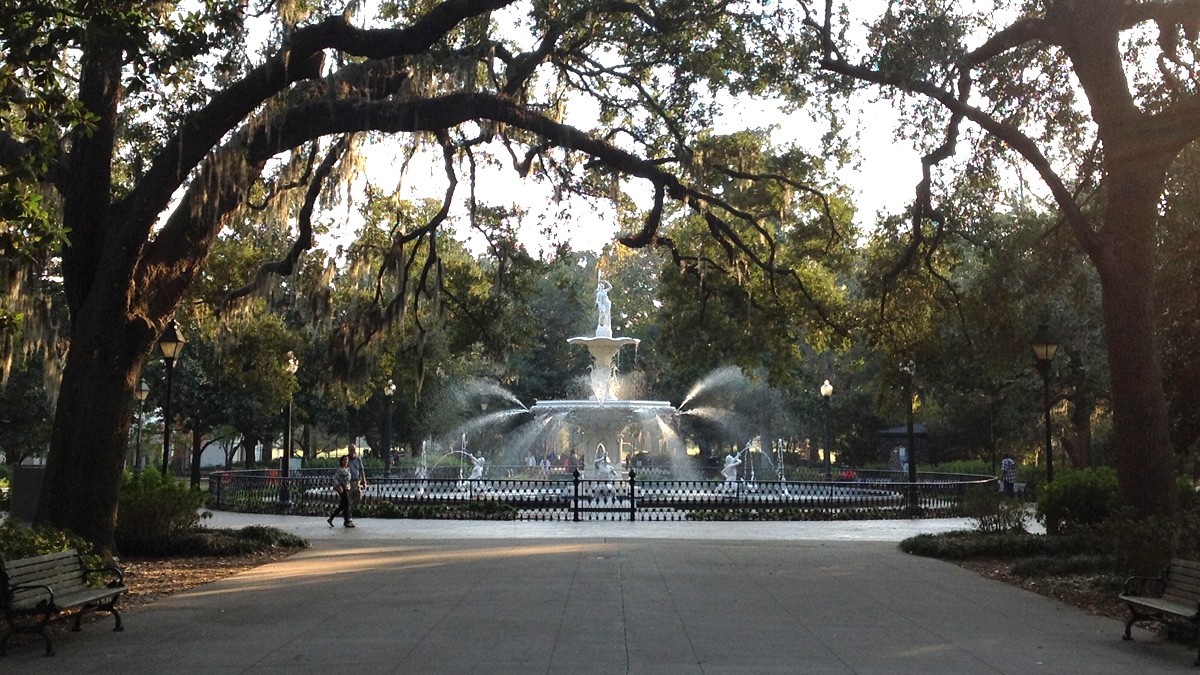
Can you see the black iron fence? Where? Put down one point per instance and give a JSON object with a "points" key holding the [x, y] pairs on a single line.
{"points": [[870, 494]]}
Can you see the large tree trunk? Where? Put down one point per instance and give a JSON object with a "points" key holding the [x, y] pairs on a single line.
{"points": [[1082, 402], [1127, 265], [248, 444], [91, 428]]}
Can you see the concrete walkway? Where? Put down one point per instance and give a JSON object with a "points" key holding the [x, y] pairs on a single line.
{"points": [[401, 596]]}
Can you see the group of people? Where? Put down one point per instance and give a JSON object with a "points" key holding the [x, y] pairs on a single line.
{"points": [[349, 481]]}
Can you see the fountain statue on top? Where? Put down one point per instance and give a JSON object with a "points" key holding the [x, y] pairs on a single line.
{"points": [[603, 346], [603, 307]]}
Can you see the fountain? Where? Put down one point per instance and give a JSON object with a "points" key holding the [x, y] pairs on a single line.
{"points": [[600, 421]]}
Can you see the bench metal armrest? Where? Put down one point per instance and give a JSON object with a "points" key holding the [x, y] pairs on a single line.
{"points": [[1138, 586], [112, 570], [29, 587]]}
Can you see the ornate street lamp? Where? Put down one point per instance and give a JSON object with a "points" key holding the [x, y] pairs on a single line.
{"points": [[142, 391], [389, 390], [171, 343], [827, 396], [909, 368], [1045, 345], [285, 460]]}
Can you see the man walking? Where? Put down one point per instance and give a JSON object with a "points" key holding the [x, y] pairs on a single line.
{"points": [[358, 478], [1008, 475]]}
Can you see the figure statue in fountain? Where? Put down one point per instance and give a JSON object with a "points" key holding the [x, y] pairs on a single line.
{"points": [[603, 308], [730, 470], [479, 464], [605, 472], [422, 473]]}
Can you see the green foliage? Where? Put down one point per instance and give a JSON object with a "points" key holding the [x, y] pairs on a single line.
{"points": [[1032, 476], [1144, 546], [484, 509], [25, 413], [966, 544], [994, 511], [1078, 498], [221, 542], [973, 467], [17, 540], [152, 510]]}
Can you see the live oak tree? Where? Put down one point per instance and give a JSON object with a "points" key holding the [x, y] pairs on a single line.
{"points": [[1098, 98], [135, 132]]}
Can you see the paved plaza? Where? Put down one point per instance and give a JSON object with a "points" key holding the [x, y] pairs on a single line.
{"points": [[404, 596]]}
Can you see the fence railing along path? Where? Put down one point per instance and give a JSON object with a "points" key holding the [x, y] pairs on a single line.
{"points": [[872, 494]]}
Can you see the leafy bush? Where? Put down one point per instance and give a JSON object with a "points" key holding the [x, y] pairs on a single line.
{"points": [[152, 510], [1144, 546], [993, 511], [966, 544], [202, 542], [1032, 476], [975, 467], [18, 540], [1078, 498]]}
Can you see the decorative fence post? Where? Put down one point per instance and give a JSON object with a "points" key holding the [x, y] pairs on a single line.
{"points": [[214, 489], [575, 502], [632, 495]]}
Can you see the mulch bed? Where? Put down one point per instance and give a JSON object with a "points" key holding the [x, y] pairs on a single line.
{"points": [[149, 579], [1092, 593]]}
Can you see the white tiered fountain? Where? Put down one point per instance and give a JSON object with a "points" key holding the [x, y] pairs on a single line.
{"points": [[599, 421]]}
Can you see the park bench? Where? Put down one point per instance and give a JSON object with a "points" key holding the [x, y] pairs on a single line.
{"points": [[1172, 599], [36, 590]]}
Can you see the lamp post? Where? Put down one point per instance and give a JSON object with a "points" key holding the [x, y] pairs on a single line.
{"points": [[171, 343], [910, 370], [142, 391], [827, 395], [1045, 345], [388, 390], [285, 459]]}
